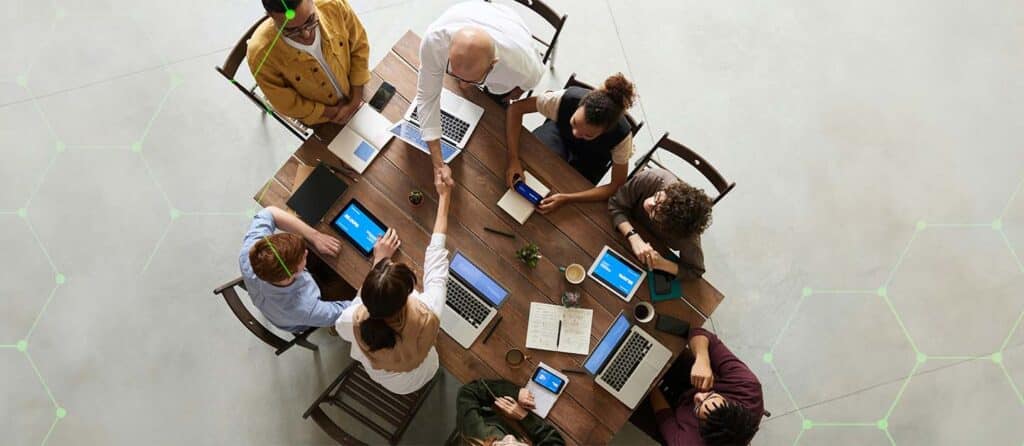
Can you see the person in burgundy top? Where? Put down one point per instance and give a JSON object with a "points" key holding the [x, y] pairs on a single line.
{"points": [[725, 405]]}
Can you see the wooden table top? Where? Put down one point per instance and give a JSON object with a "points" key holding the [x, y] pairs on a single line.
{"points": [[576, 233]]}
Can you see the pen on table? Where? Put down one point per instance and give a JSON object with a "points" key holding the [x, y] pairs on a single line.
{"points": [[502, 233], [574, 370], [558, 337], [491, 331], [345, 172]]}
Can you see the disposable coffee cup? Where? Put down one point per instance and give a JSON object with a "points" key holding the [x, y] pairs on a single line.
{"points": [[515, 357], [575, 273], [643, 312]]}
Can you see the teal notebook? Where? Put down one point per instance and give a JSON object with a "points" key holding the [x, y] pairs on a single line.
{"points": [[664, 286]]}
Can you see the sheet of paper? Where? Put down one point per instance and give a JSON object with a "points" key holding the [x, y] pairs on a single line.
{"points": [[372, 125], [542, 328], [518, 206], [575, 336]]}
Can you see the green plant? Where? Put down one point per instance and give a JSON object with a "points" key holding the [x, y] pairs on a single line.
{"points": [[529, 254], [416, 197]]}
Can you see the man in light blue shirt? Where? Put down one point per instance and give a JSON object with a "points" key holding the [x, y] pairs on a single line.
{"points": [[274, 270]]}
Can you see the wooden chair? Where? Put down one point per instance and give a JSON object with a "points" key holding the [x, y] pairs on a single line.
{"points": [[249, 321], [556, 21], [697, 161], [573, 82], [361, 397], [230, 68]]}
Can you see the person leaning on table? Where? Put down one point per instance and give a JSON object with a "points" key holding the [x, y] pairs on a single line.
{"points": [[393, 327], [496, 413], [481, 44], [672, 210], [587, 128], [315, 70]]}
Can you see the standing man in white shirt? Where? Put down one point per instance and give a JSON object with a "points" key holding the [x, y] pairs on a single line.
{"points": [[481, 44]]}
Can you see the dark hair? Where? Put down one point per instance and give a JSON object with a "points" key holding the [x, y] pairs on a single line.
{"points": [[729, 425], [280, 6], [685, 210], [606, 105], [384, 292]]}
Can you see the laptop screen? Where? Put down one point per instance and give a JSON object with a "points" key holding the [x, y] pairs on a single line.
{"points": [[617, 273], [479, 280], [604, 349]]}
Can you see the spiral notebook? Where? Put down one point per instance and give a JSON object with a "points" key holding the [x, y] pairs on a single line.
{"points": [[560, 329]]}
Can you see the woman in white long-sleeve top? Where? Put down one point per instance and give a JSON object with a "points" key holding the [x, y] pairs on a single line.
{"points": [[393, 327]]}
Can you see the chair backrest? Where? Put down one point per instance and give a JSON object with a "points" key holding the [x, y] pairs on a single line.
{"points": [[230, 295], [237, 54], [634, 126], [703, 166], [369, 403], [549, 15]]}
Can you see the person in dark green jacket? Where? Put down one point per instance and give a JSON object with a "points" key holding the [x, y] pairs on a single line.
{"points": [[496, 413]]}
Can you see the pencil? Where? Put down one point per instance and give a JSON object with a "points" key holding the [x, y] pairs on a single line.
{"points": [[502, 233], [491, 331]]}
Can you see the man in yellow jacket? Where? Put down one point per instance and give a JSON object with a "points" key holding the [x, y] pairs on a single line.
{"points": [[314, 71]]}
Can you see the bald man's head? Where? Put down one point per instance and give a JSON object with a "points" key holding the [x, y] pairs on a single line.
{"points": [[471, 54]]}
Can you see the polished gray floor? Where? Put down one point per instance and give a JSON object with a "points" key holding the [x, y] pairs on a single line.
{"points": [[870, 254]]}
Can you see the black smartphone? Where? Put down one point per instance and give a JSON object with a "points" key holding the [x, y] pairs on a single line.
{"points": [[383, 95], [662, 282], [671, 325]]}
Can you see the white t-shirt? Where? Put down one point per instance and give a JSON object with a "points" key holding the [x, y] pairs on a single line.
{"points": [[317, 52], [519, 64]]}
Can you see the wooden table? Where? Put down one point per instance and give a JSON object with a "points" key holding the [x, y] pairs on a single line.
{"points": [[585, 413]]}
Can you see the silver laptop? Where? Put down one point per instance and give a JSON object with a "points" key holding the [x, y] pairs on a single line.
{"points": [[459, 118], [473, 300], [627, 361]]}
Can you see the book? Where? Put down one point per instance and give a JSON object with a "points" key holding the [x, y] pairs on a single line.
{"points": [[516, 204], [362, 139], [560, 329]]}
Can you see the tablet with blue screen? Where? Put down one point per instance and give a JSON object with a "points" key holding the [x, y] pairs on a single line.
{"points": [[619, 275], [358, 226]]}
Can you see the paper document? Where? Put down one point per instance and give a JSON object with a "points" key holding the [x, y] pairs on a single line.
{"points": [[516, 205], [362, 139], [560, 329]]}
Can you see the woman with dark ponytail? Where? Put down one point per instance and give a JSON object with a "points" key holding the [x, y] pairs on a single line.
{"points": [[393, 327], [587, 128]]}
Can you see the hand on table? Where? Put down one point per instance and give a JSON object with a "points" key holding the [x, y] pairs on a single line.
{"points": [[514, 170], [325, 244], [553, 202], [642, 250], [509, 408], [701, 376], [346, 111], [526, 399], [386, 245]]}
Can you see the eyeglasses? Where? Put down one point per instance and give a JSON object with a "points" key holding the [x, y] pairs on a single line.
{"points": [[294, 31], [448, 69], [711, 396]]}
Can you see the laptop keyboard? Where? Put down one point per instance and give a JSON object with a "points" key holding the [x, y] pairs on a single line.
{"points": [[628, 358], [465, 304], [452, 127]]}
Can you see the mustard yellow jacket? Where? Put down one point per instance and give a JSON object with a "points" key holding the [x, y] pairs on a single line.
{"points": [[293, 80]]}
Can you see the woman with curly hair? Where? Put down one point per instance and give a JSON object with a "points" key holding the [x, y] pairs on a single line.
{"points": [[587, 128], [672, 210]]}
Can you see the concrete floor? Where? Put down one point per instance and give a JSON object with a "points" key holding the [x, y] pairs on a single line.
{"points": [[868, 253]]}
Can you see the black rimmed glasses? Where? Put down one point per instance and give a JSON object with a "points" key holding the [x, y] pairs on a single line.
{"points": [[448, 69], [295, 31]]}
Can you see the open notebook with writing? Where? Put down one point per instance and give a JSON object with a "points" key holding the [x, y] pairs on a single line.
{"points": [[560, 329], [362, 139], [515, 203]]}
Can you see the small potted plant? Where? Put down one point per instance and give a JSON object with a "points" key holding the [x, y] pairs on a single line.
{"points": [[529, 254], [416, 197]]}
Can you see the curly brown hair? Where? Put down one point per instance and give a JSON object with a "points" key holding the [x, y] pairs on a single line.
{"points": [[685, 210]]}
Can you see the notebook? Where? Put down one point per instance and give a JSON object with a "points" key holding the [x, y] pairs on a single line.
{"points": [[560, 329], [517, 205], [316, 195], [362, 139]]}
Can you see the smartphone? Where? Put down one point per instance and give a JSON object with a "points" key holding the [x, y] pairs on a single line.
{"points": [[671, 325], [383, 95], [548, 380], [662, 282], [531, 195]]}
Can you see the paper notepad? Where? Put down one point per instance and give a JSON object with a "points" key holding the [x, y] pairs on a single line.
{"points": [[362, 139], [560, 329], [518, 206]]}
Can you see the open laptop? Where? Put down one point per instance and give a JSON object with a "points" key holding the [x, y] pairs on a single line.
{"points": [[459, 118], [627, 361], [473, 300]]}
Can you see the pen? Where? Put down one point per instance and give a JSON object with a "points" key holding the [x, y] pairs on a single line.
{"points": [[558, 337], [502, 233], [574, 370], [345, 172], [491, 331]]}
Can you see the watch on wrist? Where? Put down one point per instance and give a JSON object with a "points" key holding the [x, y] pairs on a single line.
{"points": [[631, 233]]}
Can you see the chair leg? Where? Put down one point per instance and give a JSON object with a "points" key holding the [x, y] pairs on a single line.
{"points": [[307, 344]]}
